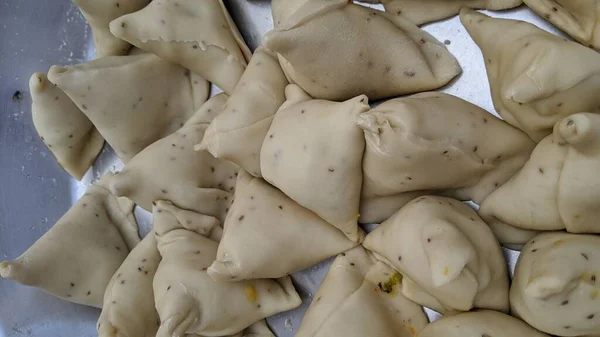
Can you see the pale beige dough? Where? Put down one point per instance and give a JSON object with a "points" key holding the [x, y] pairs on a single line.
{"points": [[132, 100], [361, 297], [578, 18], [378, 209], [556, 189], [99, 14], [128, 308], [237, 134], [66, 131], [188, 301], [313, 153], [556, 287], [478, 324], [448, 256], [268, 235], [170, 169], [536, 78], [337, 50], [76, 258], [197, 34]]}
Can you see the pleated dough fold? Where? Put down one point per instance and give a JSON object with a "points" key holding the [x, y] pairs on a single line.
{"points": [[360, 297], [171, 170], [579, 18], [128, 308], [448, 256], [99, 14], [337, 50], [536, 78], [132, 100], [197, 34], [424, 11], [556, 189], [237, 134], [268, 235], [76, 258], [188, 301], [478, 324], [66, 131], [315, 145], [556, 287]]}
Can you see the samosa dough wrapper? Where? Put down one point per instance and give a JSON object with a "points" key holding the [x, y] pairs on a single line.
{"points": [[99, 14], [557, 188], [448, 256], [237, 134], [319, 169], [132, 100], [337, 50], [580, 19], [536, 78], [361, 297], [188, 300], [128, 308], [197, 34], [478, 324], [268, 235], [76, 258], [64, 129], [170, 169], [556, 287]]}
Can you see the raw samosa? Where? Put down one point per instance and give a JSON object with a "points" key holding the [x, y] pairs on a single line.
{"points": [[77, 257], [66, 131], [313, 153], [483, 323], [361, 297], [536, 78], [197, 34], [268, 235], [557, 188], [237, 134], [556, 287], [170, 169], [128, 308], [337, 50], [99, 14], [579, 18], [424, 11], [378, 209], [440, 143], [188, 301], [448, 256], [132, 100]]}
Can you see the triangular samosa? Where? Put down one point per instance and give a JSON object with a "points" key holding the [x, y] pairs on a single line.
{"points": [[128, 308], [76, 258], [424, 11], [170, 169], [556, 288], [188, 301], [99, 14], [536, 78], [444, 248], [337, 50], [197, 34], [315, 145], [484, 323], [557, 188], [268, 235], [132, 100], [361, 297], [66, 131], [578, 18], [237, 134]]}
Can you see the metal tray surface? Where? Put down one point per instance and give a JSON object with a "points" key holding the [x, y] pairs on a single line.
{"points": [[35, 192]]}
